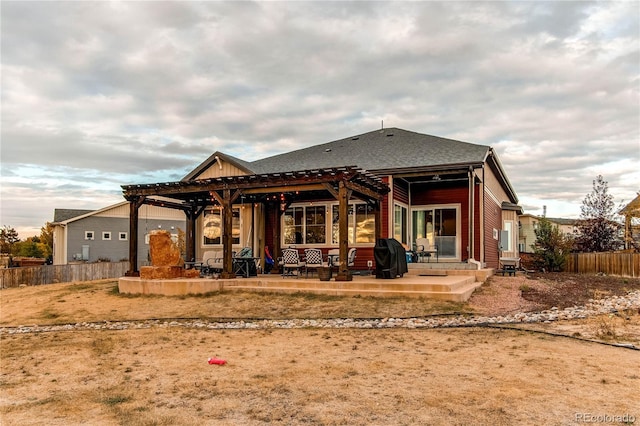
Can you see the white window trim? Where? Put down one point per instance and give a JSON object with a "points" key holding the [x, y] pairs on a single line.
{"points": [[202, 243], [509, 227], [458, 209], [106, 235], [407, 218], [123, 236], [87, 237], [328, 227]]}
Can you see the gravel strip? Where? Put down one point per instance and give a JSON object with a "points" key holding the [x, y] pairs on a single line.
{"points": [[594, 307]]}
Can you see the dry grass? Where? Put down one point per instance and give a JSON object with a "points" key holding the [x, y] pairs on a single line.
{"points": [[70, 303], [358, 377], [160, 376]]}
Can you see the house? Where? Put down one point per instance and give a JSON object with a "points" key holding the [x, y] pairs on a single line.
{"points": [[92, 235], [528, 223], [388, 183]]}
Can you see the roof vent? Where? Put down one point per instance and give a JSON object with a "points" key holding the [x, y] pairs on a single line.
{"points": [[355, 138], [389, 135], [327, 150]]}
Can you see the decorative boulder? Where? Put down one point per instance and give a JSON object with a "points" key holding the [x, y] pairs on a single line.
{"points": [[163, 250], [165, 258]]}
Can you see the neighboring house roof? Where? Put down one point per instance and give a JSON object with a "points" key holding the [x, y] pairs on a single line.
{"points": [[562, 221], [86, 213], [61, 215], [380, 150], [556, 220]]}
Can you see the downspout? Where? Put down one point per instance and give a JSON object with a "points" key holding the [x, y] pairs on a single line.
{"points": [[389, 232], [482, 223], [470, 230], [472, 209], [409, 218]]}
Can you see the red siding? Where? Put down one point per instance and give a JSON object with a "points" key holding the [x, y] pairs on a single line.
{"points": [[384, 213], [492, 220], [270, 221], [400, 191]]}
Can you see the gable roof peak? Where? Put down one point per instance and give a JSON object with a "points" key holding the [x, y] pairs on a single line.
{"points": [[217, 157]]}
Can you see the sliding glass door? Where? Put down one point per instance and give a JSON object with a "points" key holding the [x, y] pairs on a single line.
{"points": [[440, 225]]}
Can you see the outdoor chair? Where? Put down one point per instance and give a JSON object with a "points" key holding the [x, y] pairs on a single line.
{"points": [[208, 256], [313, 260], [216, 262], [424, 249], [291, 262], [351, 259]]}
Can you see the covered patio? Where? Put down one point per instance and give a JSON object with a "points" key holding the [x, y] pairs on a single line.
{"points": [[274, 192]]}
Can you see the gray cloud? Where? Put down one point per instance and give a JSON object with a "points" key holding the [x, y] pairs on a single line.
{"points": [[125, 92]]}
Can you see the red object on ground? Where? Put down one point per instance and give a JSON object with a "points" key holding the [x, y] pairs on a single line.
{"points": [[217, 361]]}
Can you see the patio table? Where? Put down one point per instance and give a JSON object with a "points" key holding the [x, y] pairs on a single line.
{"points": [[242, 265]]}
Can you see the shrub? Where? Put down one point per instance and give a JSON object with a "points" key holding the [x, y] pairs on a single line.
{"points": [[551, 248]]}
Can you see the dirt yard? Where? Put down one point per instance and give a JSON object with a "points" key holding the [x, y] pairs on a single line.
{"points": [[160, 375]]}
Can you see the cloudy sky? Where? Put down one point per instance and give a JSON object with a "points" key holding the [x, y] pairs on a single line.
{"points": [[100, 94]]}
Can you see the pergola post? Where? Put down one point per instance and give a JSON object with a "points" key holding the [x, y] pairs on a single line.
{"points": [[227, 235], [343, 233], [277, 244], [134, 205], [190, 239]]}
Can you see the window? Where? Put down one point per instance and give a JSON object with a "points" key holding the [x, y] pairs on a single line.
{"points": [[310, 224], [305, 225], [88, 235], [360, 224], [400, 219], [123, 236], [213, 227], [106, 236], [316, 224], [508, 227], [293, 228], [365, 224], [440, 224]]}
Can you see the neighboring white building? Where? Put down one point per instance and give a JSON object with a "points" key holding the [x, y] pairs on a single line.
{"points": [[528, 223], [92, 235]]}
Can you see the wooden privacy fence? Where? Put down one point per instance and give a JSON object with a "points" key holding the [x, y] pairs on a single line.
{"points": [[623, 264], [37, 275]]}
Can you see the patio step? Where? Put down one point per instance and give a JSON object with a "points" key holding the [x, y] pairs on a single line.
{"points": [[452, 288], [419, 269], [444, 284]]}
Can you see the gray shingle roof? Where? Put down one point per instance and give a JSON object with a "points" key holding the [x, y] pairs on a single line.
{"points": [[60, 215], [384, 149]]}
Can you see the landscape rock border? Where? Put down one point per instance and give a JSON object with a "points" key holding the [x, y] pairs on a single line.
{"points": [[606, 305]]}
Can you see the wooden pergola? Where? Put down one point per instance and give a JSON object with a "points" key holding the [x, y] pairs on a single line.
{"points": [[630, 211], [275, 190]]}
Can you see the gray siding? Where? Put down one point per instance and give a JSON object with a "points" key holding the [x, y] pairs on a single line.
{"points": [[114, 249]]}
